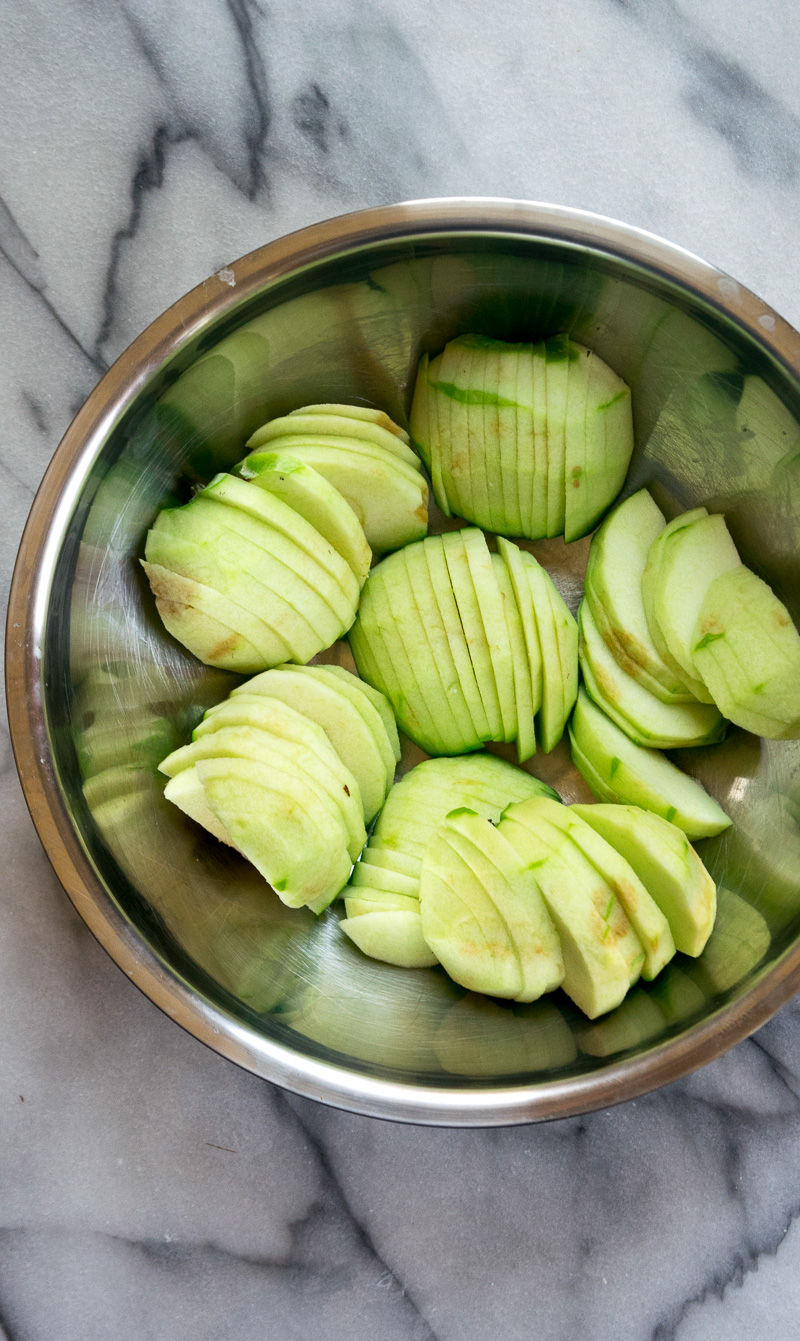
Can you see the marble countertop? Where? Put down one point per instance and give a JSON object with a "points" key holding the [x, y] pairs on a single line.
{"points": [[150, 1190]]}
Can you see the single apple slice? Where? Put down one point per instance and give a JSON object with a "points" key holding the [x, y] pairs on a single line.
{"points": [[394, 937], [474, 632], [651, 584], [490, 603], [352, 685], [292, 539], [645, 718], [559, 353], [186, 792], [389, 498], [525, 439], [364, 412], [484, 476], [377, 901], [227, 561], [422, 594], [577, 479], [617, 558], [420, 413], [317, 766], [292, 838], [434, 555], [616, 411], [450, 380], [667, 866], [597, 973], [644, 915], [747, 651], [690, 559], [557, 633], [512, 467], [512, 558], [333, 425], [312, 700], [608, 446], [541, 469], [191, 612], [462, 925], [622, 771], [303, 488], [378, 877], [526, 735], [486, 866], [391, 859]]}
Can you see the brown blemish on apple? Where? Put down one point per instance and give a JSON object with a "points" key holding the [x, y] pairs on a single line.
{"points": [[606, 685], [224, 648]]}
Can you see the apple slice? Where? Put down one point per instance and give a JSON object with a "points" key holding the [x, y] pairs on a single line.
{"points": [[352, 684], [291, 836], [389, 498], [597, 973], [378, 877], [363, 900], [458, 568], [420, 413], [541, 469], [450, 381], [619, 770], [577, 479], [191, 612], [644, 915], [747, 651], [607, 449], [363, 412], [395, 938], [186, 792], [557, 633], [645, 718], [473, 861], [690, 558], [512, 558], [490, 603], [434, 555], [559, 353], [330, 424], [515, 470], [317, 766], [312, 496], [526, 736], [617, 558], [310, 697], [667, 865], [651, 584], [391, 859]]}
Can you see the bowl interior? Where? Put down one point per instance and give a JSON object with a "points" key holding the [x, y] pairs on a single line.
{"points": [[716, 423]]}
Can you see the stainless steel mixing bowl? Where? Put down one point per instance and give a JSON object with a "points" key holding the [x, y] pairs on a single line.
{"points": [[98, 692]]}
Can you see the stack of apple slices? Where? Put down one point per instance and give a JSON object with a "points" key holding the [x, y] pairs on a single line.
{"points": [[250, 575], [588, 898], [382, 899], [524, 440], [676, 632], [364, 454], [468, 646], [288, 770]]}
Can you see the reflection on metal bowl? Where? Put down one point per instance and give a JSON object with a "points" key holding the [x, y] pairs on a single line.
{"points": [[99, 693]]}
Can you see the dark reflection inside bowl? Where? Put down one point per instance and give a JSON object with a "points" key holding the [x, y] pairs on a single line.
{"points": [[715, 424]]}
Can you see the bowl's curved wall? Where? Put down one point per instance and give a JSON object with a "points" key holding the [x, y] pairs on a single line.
{"points": [[98, 692]]}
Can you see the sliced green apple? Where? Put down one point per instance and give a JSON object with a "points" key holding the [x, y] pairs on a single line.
{"points": [[308, 492], [747, 651], [617, 558], [526, 735], [365, 412], [490, 603], [469, 611], [667, 865], [394, 937], [577, 479], [687, 674], [645, 718], [559, 353], [330, 424], [557, 634], [512, 558], [191, 612], [441, 584], [617, 769]]}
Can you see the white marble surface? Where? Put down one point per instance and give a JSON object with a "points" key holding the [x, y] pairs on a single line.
{"points": [[150, 1191]]}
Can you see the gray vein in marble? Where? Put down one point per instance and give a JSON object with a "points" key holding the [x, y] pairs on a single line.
{"points": [[761, 132], [23, 258]]}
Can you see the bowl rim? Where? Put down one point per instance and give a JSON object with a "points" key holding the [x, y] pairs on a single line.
{"points": [[39, 550]]}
